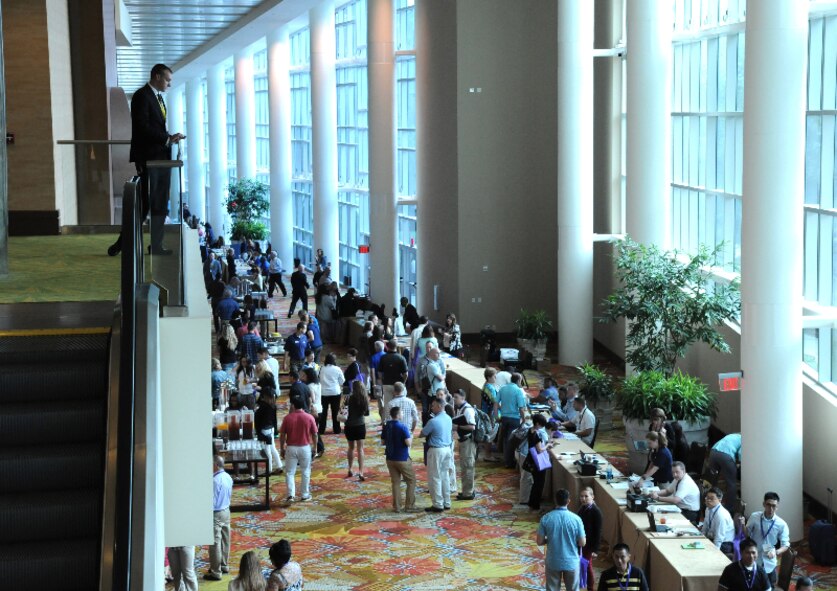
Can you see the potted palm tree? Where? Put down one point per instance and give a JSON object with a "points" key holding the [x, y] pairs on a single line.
{"points": [[533, 331], [598, 389], [682, 397], [247, 202]]}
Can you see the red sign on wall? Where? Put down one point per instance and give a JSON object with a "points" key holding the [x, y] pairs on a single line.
{"points": [[363, 249], [729, 382]]}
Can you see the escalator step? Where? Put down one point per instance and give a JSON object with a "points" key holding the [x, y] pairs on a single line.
{"points": [[69, 565], [48, 381], [75, 421], [47, 467], [32, 516]]}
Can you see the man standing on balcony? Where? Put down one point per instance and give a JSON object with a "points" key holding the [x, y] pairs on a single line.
{"points": [[151, 141]]}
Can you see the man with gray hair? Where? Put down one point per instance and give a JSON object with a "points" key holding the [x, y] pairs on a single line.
{"points": [[409, 412]]}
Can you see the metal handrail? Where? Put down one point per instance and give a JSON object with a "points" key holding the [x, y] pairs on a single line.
{"points": [[93, 142]]}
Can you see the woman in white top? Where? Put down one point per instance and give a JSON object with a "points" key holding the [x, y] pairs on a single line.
{"points": [[246, 379], [331, 386]]}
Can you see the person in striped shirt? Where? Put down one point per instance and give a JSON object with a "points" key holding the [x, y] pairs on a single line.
{"points": [[623, 576]]}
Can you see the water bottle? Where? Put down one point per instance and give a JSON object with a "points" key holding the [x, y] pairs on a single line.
{"points": [[609, 473]]}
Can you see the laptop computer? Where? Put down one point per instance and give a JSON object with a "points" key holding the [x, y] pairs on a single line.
{"points": [[640, 445], [652, 522]]}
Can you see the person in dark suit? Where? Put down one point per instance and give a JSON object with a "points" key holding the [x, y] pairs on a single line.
{"points": [[299, 290], [151, 141]]}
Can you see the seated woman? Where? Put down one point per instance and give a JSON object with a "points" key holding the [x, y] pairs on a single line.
{"points": [[250, 576], [287, 575], [659, 460]]}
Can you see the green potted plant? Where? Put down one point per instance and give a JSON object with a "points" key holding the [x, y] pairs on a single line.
{"points": [[247, 202], [682, 397], [669, 303], [533, 331], [597, 387]]}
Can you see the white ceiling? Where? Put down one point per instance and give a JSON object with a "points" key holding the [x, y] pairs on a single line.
{"points": [[166, 31]]}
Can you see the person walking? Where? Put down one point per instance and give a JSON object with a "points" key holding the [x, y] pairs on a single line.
{"points": [[297, 445], [563, 533], [358, 405]]}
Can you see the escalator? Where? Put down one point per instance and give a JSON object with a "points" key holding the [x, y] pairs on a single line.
{"points": [[76, 484], [53, 416]]}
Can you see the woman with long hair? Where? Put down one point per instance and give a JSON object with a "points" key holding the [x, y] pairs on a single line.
{"points": [[537, 438], [358, 405], [245, 377], [659, 459], [227, 344], [266, 427], [250, 576], [287, 574], [309, 375], [452, 336]]}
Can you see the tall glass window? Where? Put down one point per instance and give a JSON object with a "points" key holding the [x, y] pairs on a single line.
{"points": [[820, 271], [405, 97], [352, 142], [229, 85], [707, 128], [301, 145]]}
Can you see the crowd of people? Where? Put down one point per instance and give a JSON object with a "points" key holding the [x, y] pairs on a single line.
{"points": [[387, 378]]}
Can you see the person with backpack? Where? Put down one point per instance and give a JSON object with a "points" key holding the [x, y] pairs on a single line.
{"points": [[465, 420]]}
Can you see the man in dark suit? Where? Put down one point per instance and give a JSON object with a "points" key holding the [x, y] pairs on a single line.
{"points": [[299, 290], [151, 141]]}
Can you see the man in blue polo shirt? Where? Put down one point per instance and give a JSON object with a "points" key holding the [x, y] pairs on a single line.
{"points": [[563, 533], [512, 401], [227, 308], [296, 346], [397, 440], [438, 431], [315, 340]]}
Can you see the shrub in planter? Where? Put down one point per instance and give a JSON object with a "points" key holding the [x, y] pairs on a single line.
{"points": [[597, 387], [532, 331], [247, 201]]}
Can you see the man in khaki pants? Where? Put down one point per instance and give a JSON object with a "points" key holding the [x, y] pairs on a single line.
{"points": [[219, 552], [397, 441], [465, 419]]}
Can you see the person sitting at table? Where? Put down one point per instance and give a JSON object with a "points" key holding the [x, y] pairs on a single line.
{"points": [[563, 410], [676, 439], [548, 392], [682, 492], [622, 575], [659, 460], [538, 438], [717, 522], [746, 574], [584, 423], [287, 574]]}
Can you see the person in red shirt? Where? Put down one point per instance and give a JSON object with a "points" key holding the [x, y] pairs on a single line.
{"points": [[297, 445]]}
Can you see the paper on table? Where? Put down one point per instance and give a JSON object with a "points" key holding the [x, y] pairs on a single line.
{"points": [[622, 502], [619, 485]]}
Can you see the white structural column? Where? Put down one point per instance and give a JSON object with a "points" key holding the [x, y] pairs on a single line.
{"points": [[279, 99], [437, 168], [195, 147], [174, 124], [575, 182], [245, 116], [324, 133], [216, 107], [771, 321], [648, 124], [382, 199]]}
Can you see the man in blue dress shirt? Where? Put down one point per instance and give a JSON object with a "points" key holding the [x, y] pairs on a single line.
{"points": [[563, 533], [219, 552], [438, 432]]}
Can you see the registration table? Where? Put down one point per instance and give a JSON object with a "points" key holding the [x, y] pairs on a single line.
{"points": [[564, 472], [674, 568], [638, 535]]}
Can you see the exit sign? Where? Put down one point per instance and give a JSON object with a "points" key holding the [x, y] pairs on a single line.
{"points": [[363, 249], [730, 382]]}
